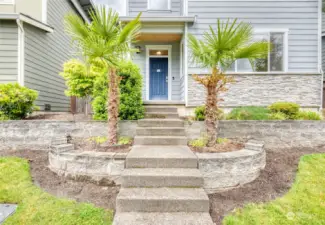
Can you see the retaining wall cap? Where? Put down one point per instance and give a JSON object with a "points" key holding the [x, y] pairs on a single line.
{"points": [[226, 155]]}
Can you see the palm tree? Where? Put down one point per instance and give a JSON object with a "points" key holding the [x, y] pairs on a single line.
{"points": [[219, 50], [107, 39]]}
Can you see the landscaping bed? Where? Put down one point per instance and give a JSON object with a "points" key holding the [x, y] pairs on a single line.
{"points": [[228, 146], [275, 180]]}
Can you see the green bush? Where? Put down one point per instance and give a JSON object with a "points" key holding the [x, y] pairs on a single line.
{"points": [[308, 115], [290, 109], [131, 105], [200, 142], [16, 102], [249, 113], [277, 116], [200, 113]]}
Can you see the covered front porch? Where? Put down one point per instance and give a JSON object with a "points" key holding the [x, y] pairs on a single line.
{"points": [[161, 56]]}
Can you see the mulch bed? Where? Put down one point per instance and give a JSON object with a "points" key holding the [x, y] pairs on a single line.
{"points": [[229, 146], [273, 182], [86, 145]]}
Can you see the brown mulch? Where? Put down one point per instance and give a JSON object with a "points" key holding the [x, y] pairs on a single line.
{"points": [[273, 182], [229, 146], [81, 191], [87, 145]]}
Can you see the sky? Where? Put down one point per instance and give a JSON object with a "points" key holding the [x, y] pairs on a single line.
{"points": [[118, 5]]}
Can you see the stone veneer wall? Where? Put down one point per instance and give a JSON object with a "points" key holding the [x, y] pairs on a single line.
{"points": [[263, 90], [276, 134]]}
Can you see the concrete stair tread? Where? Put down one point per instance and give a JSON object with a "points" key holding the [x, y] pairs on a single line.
{"points": [[163, 194], [158, 119], [161, 131], [162, 113], [152, 156], [162, 152], [178, 218], [160, 140], [161, 128], [63, 145], [159, 172]]}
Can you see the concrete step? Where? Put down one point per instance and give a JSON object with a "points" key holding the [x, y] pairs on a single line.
{"points": [[160, 140], [161, 157], [163, 109], [162, 200], [160, 131], [134, 218], [160, 123], [59, 141], [163, 115], [63, 148], [162, 177]]}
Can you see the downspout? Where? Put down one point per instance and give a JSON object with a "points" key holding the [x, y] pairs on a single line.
{"points": [[21, 52]]}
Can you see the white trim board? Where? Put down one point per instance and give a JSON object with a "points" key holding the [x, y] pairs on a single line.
{"points": [[158, 47], [21, 53]]}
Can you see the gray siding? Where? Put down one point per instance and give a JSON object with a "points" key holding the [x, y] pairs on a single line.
{"points": [[137, 6], [140, 60], [323, 53], [300, 17], [8, 51], [45, 54]]}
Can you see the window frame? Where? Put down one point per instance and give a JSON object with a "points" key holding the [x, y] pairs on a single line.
{"points": [[8, 2], [150, 9], [285, 51]]}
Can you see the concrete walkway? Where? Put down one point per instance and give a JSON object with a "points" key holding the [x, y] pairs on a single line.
{"points": [[161, 184]]}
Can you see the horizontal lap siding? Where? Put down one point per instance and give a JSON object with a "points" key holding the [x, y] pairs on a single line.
{"points": [[300, 17], [45, 54], [8, 51], [137, 6], [140, 60]]}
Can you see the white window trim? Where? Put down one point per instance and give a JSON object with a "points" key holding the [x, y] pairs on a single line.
{"points": [[44, 11], [21, 53], [8, 2], [149, 6], [158, 47], [285, 51]]}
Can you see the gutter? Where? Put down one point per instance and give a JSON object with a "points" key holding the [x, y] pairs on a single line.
{"points": [[81, 10], [185, 19], [27, 19]]}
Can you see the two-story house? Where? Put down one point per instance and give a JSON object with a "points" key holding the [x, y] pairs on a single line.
{"points": [[292, 71], [34, 46]]}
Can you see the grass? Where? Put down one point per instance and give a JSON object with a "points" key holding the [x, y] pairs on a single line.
{"points": [[304, 204], [36, 207]]}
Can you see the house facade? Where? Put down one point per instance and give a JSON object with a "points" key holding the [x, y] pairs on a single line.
{"points": [[292, 71], [34, 46]]}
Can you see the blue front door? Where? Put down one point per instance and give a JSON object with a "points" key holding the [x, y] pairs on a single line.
{"points": [[158, 78]]}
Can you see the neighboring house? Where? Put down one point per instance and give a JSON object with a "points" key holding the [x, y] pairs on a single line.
{"points": [[34, 46], [291, 73]]}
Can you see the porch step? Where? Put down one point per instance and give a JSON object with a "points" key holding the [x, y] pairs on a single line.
{"points": [[162, 200], [161, 131], [162, 177], [163, 115], [163, 109], [160, 123], [161, 157], [177, 218], [160, 140]]}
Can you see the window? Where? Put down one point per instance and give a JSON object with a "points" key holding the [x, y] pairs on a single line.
{"points": [[7, 2], [159, 4], [275, 62]]}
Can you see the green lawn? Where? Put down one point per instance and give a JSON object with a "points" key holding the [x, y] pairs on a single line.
{"points": [[304, 204], [38, 207]]}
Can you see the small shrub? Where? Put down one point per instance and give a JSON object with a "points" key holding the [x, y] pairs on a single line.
{"points": [[124, 140], [249, 113], [200, 142], [131, 107], [200, 113], [277, 116], [308, 115], [290, 109], [16, 102], [222, 140], [98, 140]]}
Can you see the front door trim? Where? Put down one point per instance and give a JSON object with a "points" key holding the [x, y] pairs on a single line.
{"points": [[159, 47]]}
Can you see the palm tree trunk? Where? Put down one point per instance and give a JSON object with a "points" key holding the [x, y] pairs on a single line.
{"points": [[211, 121], [113, 104]]}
